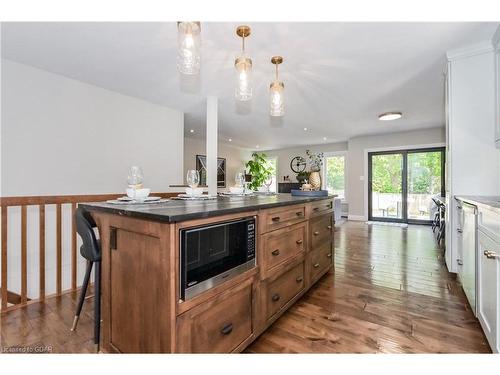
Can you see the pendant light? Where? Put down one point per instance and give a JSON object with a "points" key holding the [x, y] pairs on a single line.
{"points": [[276, 90], [243, 65], [188, 47]]}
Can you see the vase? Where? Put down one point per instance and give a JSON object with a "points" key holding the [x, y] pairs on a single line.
{"points": [[315, 180]]}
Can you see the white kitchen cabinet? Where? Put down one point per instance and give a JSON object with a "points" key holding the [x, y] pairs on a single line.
{"points": [[470, 125], [496, 44], [488, 289]]}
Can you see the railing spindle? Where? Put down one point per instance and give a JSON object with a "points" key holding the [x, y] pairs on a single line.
{"points": [[73, 247], [58, 249], [41, 212], [4, 257], [24, 255]]}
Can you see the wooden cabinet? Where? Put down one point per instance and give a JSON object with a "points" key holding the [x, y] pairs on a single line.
{"points": [[219, 325], [281, 217], [489, 289], [280, 290], [281, 245], [321, 230], [319, 261], [320, 207]]}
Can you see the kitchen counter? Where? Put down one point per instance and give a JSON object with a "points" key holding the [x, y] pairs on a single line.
{"points": [[182, 210], [488, 202]]}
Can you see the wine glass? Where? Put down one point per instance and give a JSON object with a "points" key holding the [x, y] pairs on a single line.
{"points": [[268, 182], [135, 177], [193, 178], [239, 179]]}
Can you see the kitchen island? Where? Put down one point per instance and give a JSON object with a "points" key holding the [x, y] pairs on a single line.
{"points": [[144, 308]]}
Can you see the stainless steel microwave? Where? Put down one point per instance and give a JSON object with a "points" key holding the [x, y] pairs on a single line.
{"points": [[212, 254]]}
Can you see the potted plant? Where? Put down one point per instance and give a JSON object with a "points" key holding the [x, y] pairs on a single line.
{"points": [[260, 170], [302, 176], [315, 164]]}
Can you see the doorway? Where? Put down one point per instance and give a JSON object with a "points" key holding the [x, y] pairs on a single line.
{"points": [[401, 184]]}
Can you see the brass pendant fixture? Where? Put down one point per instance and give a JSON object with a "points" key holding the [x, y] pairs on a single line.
{"points": [[188, 47], [276, 91], [243, 65]]}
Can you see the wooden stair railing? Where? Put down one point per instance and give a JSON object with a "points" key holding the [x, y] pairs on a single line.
{"points": [[10, 300]]}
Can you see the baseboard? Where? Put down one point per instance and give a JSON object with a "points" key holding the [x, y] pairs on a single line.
{"points": [[356, 218]]}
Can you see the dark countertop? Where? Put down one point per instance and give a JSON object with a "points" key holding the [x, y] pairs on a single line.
{"points": [[180, 210], [489, 202]]}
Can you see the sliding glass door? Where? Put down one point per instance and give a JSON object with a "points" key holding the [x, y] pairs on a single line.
{"points": [[401, 184]]}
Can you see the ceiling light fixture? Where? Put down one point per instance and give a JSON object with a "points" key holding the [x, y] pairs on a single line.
{"points": [[243, 65], [324, 138], [389, 116], [191, 131], [257, 146], [305, 129], [276, 91], [188, 47], [230, 140]]}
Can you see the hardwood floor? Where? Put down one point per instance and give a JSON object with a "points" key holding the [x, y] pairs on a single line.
{"points": [[390, 293]]}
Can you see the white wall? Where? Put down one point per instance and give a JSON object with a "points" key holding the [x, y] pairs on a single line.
{"points": [[286, 155], [61, 136], [236, 157], [357, 162]]}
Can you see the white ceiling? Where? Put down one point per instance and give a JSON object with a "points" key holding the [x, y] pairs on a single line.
{"points": [[338, 76]]}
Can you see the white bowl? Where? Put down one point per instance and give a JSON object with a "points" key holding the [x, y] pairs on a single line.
{"points": [[236, 190], [138, 194], [194, 192]]}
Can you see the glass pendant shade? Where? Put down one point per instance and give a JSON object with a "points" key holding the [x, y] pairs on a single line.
{"points": [[188, 47], [243, 67], [277, 106]]}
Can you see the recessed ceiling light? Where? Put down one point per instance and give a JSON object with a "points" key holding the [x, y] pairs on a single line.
{"points": [[324, 138], [230, 139], [191, 131], [257, 146], [305, 129], [389, 116]]}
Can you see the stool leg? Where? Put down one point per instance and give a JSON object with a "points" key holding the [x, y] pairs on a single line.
{"points": [[97, 304], [83, 292]]}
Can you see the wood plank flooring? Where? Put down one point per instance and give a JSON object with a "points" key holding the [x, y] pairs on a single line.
{"points": [[390, 293]]}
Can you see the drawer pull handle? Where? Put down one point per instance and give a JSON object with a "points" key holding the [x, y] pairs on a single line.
{"points": [[316, 233], [299, 213], [276, 297], [491, 254], [298, 242], [329, 227], [316, 265], [329, 205], [276, 219], [315, 208], [299, 279], [459, 230], [276, 252], [226, 330], [329, 255]]}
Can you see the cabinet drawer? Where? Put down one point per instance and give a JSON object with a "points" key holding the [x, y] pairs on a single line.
{"points": [[219, 325], [283, 244], [281, 217], [489, 222], [320, 207], [319, 260], [283, 289], [321, 229]]}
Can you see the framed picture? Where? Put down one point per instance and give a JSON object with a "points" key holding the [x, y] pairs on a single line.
{"points": [[201, 167]]}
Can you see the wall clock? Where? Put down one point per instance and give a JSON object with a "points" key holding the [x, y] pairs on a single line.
{"points": [[298, 164]]}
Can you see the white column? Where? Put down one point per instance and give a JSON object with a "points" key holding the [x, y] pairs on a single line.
{"points": [[212, 130]]}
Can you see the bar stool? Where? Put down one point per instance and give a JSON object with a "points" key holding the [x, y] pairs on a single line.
{"points": [[441, 231], [90, 250]]}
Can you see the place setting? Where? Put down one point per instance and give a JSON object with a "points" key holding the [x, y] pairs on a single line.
{"points": [[193, 192]]}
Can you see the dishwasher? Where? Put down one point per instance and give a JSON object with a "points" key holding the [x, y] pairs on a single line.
{"points": [[469, 253]]}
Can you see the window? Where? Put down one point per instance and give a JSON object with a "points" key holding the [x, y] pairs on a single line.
{"points": [[334, 174], [272, 162]]}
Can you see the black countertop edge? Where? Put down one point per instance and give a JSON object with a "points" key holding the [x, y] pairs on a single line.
{"points": [[488, 202], [159, 212]]}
